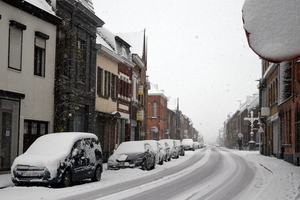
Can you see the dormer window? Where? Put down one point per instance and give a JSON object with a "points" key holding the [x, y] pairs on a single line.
{"points": [[122, 47], [124, 52]]}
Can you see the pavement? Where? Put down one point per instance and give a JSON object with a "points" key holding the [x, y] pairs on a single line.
{"points": [[5, 180]]}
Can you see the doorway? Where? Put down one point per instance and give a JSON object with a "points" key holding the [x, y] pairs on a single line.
{"points": [[32, 130], [6, 138]]}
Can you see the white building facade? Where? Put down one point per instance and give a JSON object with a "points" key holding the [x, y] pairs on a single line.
{"points": [[27, 54]]}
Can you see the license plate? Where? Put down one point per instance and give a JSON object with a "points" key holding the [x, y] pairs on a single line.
{"points": [[30, 174]]}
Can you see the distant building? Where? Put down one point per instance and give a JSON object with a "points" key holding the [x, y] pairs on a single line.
{"points": [[157, 114], [237, 126], [138, 49], [174, 114]]}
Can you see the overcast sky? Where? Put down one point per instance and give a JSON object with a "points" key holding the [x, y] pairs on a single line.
{"points": [[197, 52]]}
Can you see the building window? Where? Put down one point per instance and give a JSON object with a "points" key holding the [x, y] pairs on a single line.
{"points": [[40, 53], [15, 45], [99, 82], [81, 119], [154, 110], [81, 59], [103, 83], [78, 123], [134, 89], [107, 84], [114, 84]]}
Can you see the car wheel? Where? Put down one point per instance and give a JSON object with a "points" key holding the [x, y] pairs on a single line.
{"points": [[153, 166], [19, 184], [66, 179], [97, 175], [145, 165], [161, 161]]}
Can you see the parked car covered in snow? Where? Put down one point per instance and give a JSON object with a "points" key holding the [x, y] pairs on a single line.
{"points": [[166, 150], [181, 148], [132, 154], [188, 144], [158, 151], [173, 147], [59, 158], [196, 145]]}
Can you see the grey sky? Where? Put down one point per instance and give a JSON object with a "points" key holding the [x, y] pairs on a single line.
{"points": [[197, 51]]}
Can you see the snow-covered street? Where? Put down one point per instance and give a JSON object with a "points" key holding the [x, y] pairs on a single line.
{"points": [[273, 179]]}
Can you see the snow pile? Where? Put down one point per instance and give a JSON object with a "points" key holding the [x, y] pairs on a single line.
{"points": [[277, 180], [272, 28]]}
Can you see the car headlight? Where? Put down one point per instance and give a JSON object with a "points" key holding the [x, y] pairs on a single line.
{"points": [[110, 161]]}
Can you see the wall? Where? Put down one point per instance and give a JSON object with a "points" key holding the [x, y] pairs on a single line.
{"points": [[39, 91], [102, 104]]}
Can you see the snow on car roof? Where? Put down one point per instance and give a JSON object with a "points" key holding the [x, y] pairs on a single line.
{"points": [[131, 146], [187, 141], [169, 141], [54, 143], [153, 143]]}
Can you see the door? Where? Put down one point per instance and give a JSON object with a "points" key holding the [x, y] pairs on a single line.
{"points": [[33, 130], [6, 135], [80, 163]]}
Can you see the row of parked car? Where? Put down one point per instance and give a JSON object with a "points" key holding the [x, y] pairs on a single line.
{"points": [[147, 153], [64, 158]]}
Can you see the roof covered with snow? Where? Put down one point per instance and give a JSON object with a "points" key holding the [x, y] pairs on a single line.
{"points": [[106, 38], [155, 91], [251, 102], [42, 4], [172, 103], [136, 40]]}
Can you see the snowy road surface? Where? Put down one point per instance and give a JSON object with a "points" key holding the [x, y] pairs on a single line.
{"points": [[210, 173]]}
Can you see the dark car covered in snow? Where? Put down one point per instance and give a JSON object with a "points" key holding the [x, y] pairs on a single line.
{"points": [[132, 154], [59, 159]]}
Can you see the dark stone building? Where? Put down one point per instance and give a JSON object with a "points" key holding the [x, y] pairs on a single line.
{"points": [[75, 66]]}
